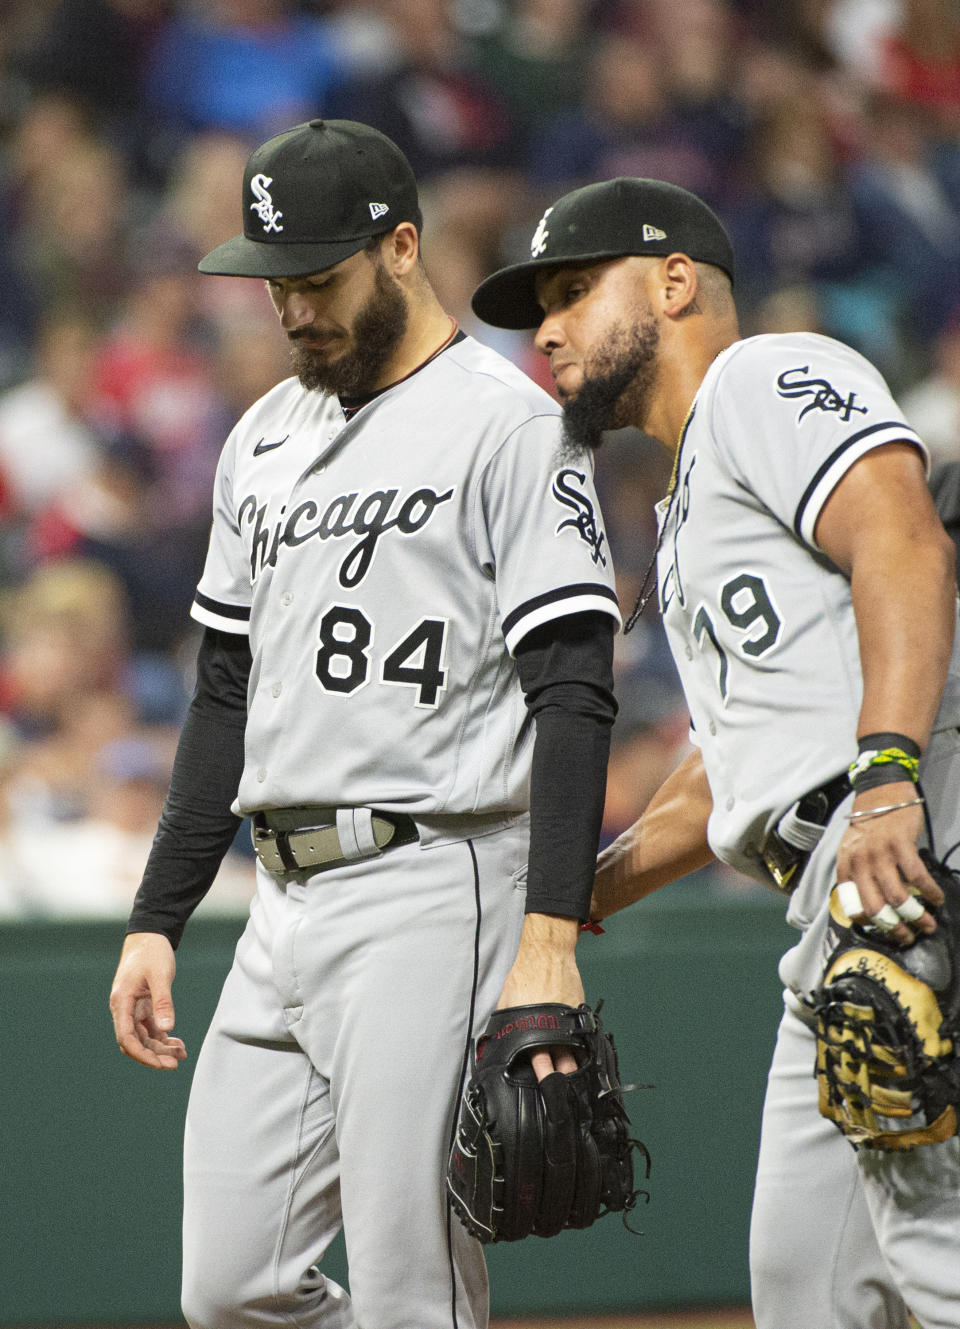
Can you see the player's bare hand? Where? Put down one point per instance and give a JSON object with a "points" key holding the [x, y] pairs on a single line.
{"points": [[880, 855], [545, 970], [141, 1002]]}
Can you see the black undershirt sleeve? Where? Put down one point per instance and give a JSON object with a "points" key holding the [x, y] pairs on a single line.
{"points": [[196, 826], [566, 672]]}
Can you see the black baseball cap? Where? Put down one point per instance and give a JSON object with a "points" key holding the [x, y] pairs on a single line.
{"points": [[607, 220], [314, 195]]}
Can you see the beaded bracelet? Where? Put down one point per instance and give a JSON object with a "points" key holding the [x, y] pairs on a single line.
{"points": [[885, 758]]}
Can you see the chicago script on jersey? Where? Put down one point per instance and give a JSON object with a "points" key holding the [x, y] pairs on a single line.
{"points": [[367, 517], [824, 396]]}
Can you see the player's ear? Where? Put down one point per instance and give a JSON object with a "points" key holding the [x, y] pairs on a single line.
{"points": [[678, 285], [400, 249]]}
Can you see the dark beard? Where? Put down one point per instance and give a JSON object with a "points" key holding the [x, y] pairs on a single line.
{"points": [[377, 332], [615, 390]]}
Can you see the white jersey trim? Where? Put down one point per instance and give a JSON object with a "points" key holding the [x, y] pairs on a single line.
{"points": [[831, 472], [217, 614], [558, 604]]}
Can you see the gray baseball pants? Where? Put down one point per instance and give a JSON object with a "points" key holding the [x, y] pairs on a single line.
{"points": [[326, 1091], [843, 1238]]}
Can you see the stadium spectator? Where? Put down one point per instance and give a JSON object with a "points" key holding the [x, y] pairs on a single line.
{"points": [[535, 56], [196, 212], [70, 236], [460, 138], [628, 124], [90, 866], [248, 67], [932, 406], [154, 373], [920, 58], [95, 51], [906, 192], [796, 219], [70, 680], [48, 424]]}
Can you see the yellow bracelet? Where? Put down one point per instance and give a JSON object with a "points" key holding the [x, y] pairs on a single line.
{"points": [[885, 757]]}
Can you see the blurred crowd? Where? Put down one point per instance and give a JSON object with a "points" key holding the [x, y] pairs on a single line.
{"points": [[826, 133]]}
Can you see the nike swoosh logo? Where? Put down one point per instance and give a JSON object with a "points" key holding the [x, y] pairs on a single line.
{"points": [[262, 447]]}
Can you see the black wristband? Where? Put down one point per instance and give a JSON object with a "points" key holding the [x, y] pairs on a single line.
{"points": [[876, 742], [884, 758], [874, 776]]}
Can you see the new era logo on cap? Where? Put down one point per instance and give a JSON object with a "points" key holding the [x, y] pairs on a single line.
{"points": [[379, 210], [653, 233]]}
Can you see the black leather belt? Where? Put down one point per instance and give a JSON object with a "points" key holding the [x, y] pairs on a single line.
{"points": [[789, 845], [317, 839]]}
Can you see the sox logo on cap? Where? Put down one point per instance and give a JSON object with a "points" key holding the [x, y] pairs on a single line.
{"points": [[268, 214]]}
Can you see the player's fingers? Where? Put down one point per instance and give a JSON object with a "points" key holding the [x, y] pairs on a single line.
{"points": [[910, 889], [917, 877], [121, 1009], [894, 918], [548, 1060], [542, 1063], [161, 1043], [131, 1046], [163, 1012], [889, 922]]}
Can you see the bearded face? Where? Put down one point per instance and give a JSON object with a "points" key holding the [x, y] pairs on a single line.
{"points": [[367, 344], [617, 382]]}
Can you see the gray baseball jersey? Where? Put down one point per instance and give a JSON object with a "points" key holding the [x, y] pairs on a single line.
{"points": [[379, 574], [759, 621]]}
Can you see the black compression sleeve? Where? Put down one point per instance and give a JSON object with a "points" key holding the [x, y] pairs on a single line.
{"points": [[566, 671], [196, 826]]}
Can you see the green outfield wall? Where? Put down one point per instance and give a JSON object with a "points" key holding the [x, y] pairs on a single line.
{"points": [[90, 1185]]}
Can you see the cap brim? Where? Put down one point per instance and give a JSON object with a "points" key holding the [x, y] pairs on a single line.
{"points": [[241, 257], [508, 298]]}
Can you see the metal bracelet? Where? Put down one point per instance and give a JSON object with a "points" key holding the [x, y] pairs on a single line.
{"points": [[878, 812]]}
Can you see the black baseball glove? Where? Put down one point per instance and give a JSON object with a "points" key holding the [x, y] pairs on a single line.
{"points": [[537, 1158], [888, 1032]]}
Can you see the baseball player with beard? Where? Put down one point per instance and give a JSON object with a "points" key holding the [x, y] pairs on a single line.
{"points": [[807, 590], [405, 682]]}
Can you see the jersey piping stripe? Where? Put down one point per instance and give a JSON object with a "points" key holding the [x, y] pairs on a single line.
{"points": [[901, 431], [216, 614], [223, 610], [464, 1067], [554, 597]]}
